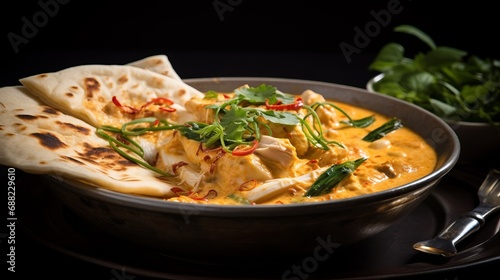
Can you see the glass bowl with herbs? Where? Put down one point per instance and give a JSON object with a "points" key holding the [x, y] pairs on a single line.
{"points": [[461, 88]]}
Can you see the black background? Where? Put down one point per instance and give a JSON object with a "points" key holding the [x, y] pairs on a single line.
{"points": [[288, 39], [291, 39]]}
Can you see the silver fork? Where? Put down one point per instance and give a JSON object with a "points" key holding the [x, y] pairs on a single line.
{"points": [[489, 202]]}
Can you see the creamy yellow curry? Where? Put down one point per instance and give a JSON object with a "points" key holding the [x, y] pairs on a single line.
{"points": [[258, 145]]}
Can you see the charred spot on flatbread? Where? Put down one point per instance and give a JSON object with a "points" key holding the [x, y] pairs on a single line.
{"points": [[91, 86], [99, 153], [76, 128], [49, 140], [50, 110], [73, 160], [20, 126], [181, 92], [104, 157], [26, 117], [123, 79], [157, 82]]}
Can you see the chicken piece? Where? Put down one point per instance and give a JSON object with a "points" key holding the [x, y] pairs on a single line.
{"points": [[334, 155], [273, 187], [222, 168], [233, 171], [173, 160], [294, 134], [309, 97], [394, 168], [177, 164], [278, 151], [197, 107], [327, 114], [299, 140], [281, 158]]}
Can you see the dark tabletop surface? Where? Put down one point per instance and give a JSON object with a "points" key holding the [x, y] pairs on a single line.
{"points": [[220, 38]]}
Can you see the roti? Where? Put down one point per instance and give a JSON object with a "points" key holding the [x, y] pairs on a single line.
{"points": [[94, 93], [157, 63], [40, 139]]}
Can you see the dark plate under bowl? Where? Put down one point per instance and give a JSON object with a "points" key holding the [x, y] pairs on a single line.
{"points": [[218, 233]]}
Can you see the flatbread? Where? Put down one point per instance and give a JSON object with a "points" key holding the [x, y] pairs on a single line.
{"points": [[86, 92], [157, 63], [39, 139]]}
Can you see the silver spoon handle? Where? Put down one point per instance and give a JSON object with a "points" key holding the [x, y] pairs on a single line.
{"points": [[460, 229], [444, 243]]}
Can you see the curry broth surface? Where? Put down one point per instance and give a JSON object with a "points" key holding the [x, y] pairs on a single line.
{"points": [[398, 158]]}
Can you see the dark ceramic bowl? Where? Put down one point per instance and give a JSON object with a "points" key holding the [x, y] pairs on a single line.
{"points": [[233, 234], [479, 141]]}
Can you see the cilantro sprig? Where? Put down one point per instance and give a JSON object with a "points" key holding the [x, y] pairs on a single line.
{"points": [[446, 81]]}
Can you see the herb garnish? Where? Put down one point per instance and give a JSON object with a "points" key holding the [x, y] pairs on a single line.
{"points": [[383, 130], [446, 81], [236, 126], [333, 176]]}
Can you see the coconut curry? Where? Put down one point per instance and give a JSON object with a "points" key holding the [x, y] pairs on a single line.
{"points": [[258, 145]]}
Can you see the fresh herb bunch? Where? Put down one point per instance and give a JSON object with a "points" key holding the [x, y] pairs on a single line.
{"points": [[446, 81]]}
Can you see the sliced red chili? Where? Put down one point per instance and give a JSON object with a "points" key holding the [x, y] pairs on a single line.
{"points": [[179, 191], [247, 150], [175, 166], [248, 185], [219, 155], [167, 109], [158, 100], [296, 105], [155, 123], [125, 108], [210, 195], [162, 100]]}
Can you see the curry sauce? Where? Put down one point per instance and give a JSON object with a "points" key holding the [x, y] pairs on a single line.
{"points": [[284, 162]]}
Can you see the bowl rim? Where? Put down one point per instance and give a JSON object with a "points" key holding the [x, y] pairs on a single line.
{"points": [[159, 205]]}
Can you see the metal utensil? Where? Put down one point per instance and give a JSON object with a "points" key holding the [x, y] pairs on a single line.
{"points": [[489, 202]]}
